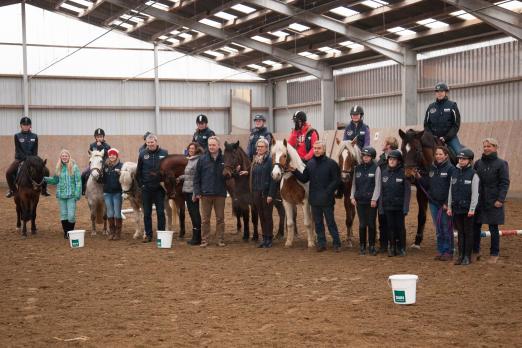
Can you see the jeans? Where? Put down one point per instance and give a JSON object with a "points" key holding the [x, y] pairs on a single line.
{"points": [[67, 209], [495, 239], [328, 212], [367, 216], [113, 204], [443, 229], [156, 197], [193, 209], [455, 144]]}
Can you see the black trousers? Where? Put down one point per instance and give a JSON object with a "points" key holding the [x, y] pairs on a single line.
{"points": [[367, 216], [383, 236], [157, 197], [264, 211], [395, 229], [193, 209], [464, 226]]}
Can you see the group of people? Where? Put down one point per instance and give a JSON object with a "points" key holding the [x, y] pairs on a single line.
{"points": [[464, 196]]}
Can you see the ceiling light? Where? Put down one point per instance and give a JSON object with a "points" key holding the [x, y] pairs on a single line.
{"points": [[351, 44], [214, 53], [298, 27], [279, 33], [374, 3], [432, 23], [255, 66], [515, 6], [401, 31], [261, 39], [210, 22], [185, 35], [243, 8], [226, 16], [344, 11]]}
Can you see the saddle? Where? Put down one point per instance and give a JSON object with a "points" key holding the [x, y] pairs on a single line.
{"points": [[428, 140]]}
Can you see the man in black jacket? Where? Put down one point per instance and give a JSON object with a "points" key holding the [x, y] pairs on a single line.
{"points": [[323, 174], [202, 133], [209, 187], [148, 177]]}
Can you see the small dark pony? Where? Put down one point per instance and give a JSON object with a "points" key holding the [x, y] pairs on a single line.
{"points": [[418, 151], [29, 183], [171, 167], [239, 188]]}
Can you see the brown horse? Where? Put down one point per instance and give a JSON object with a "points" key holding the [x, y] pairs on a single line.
{"points": [[29, 183], [348, 156], [236, 160], [171, 167]]}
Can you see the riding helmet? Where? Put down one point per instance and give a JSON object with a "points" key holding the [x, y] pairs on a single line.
{"points": [[395, 154], [259, 117], [466, 153], [369, 151], [99, 131], [441, 87], [25, 121], [202, 119], [357, 110], [147, 133], [299, 116]]}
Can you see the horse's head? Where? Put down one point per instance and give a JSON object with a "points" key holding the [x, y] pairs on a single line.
{"points": [[280, 159], [348, 156], [127, 174], [411, 148], [32, 172], [96, 163], [231, 159]]}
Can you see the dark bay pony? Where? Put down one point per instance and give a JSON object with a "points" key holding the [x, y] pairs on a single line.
{"points": [[236, 160], [418, 150], [348, 156], [29, 183], [171, 167]]}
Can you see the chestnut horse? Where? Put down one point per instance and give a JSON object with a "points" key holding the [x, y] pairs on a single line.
{"points": [[348, 156], [29, 183], [171, 167]]}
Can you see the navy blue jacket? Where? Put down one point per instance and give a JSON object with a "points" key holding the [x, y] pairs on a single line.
{"points": [[147, 171], [261, 178], [324, 176], [361, 131], [26, 144], [255, 135], [209, 179], [443, 119], [439, 182], [111, 178], [201, 137], [103, 146], [364, 177], [395, 190], [461, 190]]}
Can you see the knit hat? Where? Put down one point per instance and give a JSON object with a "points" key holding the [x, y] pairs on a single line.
{"points": [[113, 151]]}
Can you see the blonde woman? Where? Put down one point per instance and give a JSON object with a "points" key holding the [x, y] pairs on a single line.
{"points": [[67, 178]]}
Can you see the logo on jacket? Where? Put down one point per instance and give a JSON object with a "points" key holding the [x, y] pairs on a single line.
{"points": [[431, 173], [21, 140], [350, 132], [433, 110], [358, 174], [384, 179], [146, 157]]}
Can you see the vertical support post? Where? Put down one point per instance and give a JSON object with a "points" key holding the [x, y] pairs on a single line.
{"points": [[409, 89], [270, 103], [328, 103], [25, 83], [156, 91]]}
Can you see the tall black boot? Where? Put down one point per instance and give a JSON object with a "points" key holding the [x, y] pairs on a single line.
{"points": [[44, 190], [362, 241], [196, 237], [84, 183], [65, 227], [268, 243], [263, 243]]}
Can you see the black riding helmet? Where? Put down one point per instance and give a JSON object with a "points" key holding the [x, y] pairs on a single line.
{"points": [[395, 154], [259, 117], [441, 86], [99, 131], [466, 153], [357, 110], [25, 121], [202, 119], [369, 151], [147, 133], [299, 116]]}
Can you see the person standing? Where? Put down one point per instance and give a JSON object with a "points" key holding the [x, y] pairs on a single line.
{"points": [[494, 185], [99, 144], [366, 188], [324, 176], [67, 178], [112, 193], [194, 152], [395, 202], [148, 178], [26, 144], [442, 118], [357, 128], [263, 189], [462, 201], [202, 133], [209, 187], [258, 132], [303, 136]]}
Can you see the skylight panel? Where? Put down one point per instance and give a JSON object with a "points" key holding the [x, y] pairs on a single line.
{"points": [[308, 54], [229, 49], [158, 5], [71, 7], [186, 35], [225, 15], [432, 23], [344, 11], [515, 6], [328, 49], [172, 40], [261, 39], [214, 53], [298, 27], [463, 15], [401, 31], [270, 62], [210, 22], [374, 3], [120, 23], [83, 2], [351, 44], [243, 8], [255, 66], [163, 37], [279, 33]]}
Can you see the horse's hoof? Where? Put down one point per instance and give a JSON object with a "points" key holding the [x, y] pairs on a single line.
{"points": [[18, 229], [24, 236], [288, 245], [415, 246], [349, 243], [93, 233], [311, 245]]}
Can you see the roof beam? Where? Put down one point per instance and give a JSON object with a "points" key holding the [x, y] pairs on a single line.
{"points": [[115, 16], [310, 66], [502, 19], [93, 7], [9, 2], [59, 4], [386, 47]]}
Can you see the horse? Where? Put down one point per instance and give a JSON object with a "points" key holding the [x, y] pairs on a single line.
{"points": [[29, 183], [94, 191], [171, 167], [348, 156], [239, 188], [293, 192], [132, 193]]}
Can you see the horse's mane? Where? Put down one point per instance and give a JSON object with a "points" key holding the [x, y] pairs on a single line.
{"points": [[295, 160], [129, 166], [24, 176], [353, 150], [245, 161]]}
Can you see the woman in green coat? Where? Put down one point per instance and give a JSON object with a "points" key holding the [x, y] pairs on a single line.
{"points": [[67, 178]]}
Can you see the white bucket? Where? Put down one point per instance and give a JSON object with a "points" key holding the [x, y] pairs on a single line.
{"points": [[76, 238], [164, 239], [404, 288]]}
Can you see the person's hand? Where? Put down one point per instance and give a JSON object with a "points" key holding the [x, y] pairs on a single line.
{"points": [[471, 213], [243, 172], [179, 179], [449, 212], [196, 198], [354, 202], [442, 139], [498, 204], [373, 204], [417, 173], [268, 200], [445, 207]]}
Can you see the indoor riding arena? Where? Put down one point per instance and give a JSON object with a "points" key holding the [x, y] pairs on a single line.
{"points": [[435, 75]]}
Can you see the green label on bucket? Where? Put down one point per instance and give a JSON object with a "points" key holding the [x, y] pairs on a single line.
{"points": [[400, 296], [158, 243], [75, 243]]}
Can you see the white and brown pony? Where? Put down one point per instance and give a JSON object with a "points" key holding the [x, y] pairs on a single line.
{"points": [[348, 156], [94, 191], [293, 192]]}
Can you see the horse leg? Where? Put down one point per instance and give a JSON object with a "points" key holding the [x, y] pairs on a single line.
{"points": [[18, 219], [294, 214], [281, 212], [307, 213], [168, 210], [237, 213], [350, 214], [255, 219], [422, 201], [289, 208], [246, 222], [33, 220], [182, 219], [24, 228]]}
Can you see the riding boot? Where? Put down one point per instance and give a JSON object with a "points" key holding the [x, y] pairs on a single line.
{"points": [[372, 250], [181, 234], [65, 227], [246, 236], [84, 183], [71, 225], [268, 243], [44, 190], [362, 241], [112, 228], [255, 236], [391, 249], [118, 223], [362, 249], [196, 237], [262, 244]]}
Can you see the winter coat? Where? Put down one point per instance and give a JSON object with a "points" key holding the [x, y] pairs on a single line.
{"points": [[26, 144], [395, 190], [190, 172], [359, 130], [201, 137], [255, 135], [442, 119], [67, 186], [104, 146], [324, 176], [209, 179], [111, 177], [147, 170], [261, 178]]}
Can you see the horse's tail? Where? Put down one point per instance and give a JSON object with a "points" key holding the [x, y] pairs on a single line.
{"points": [[100, 213]]}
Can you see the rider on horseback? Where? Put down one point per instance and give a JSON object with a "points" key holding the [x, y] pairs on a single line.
{"points": [[98, 145], [357, 128], [26, 144], [303, 136], [202, 133], [443, 119], [260, 131]]}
